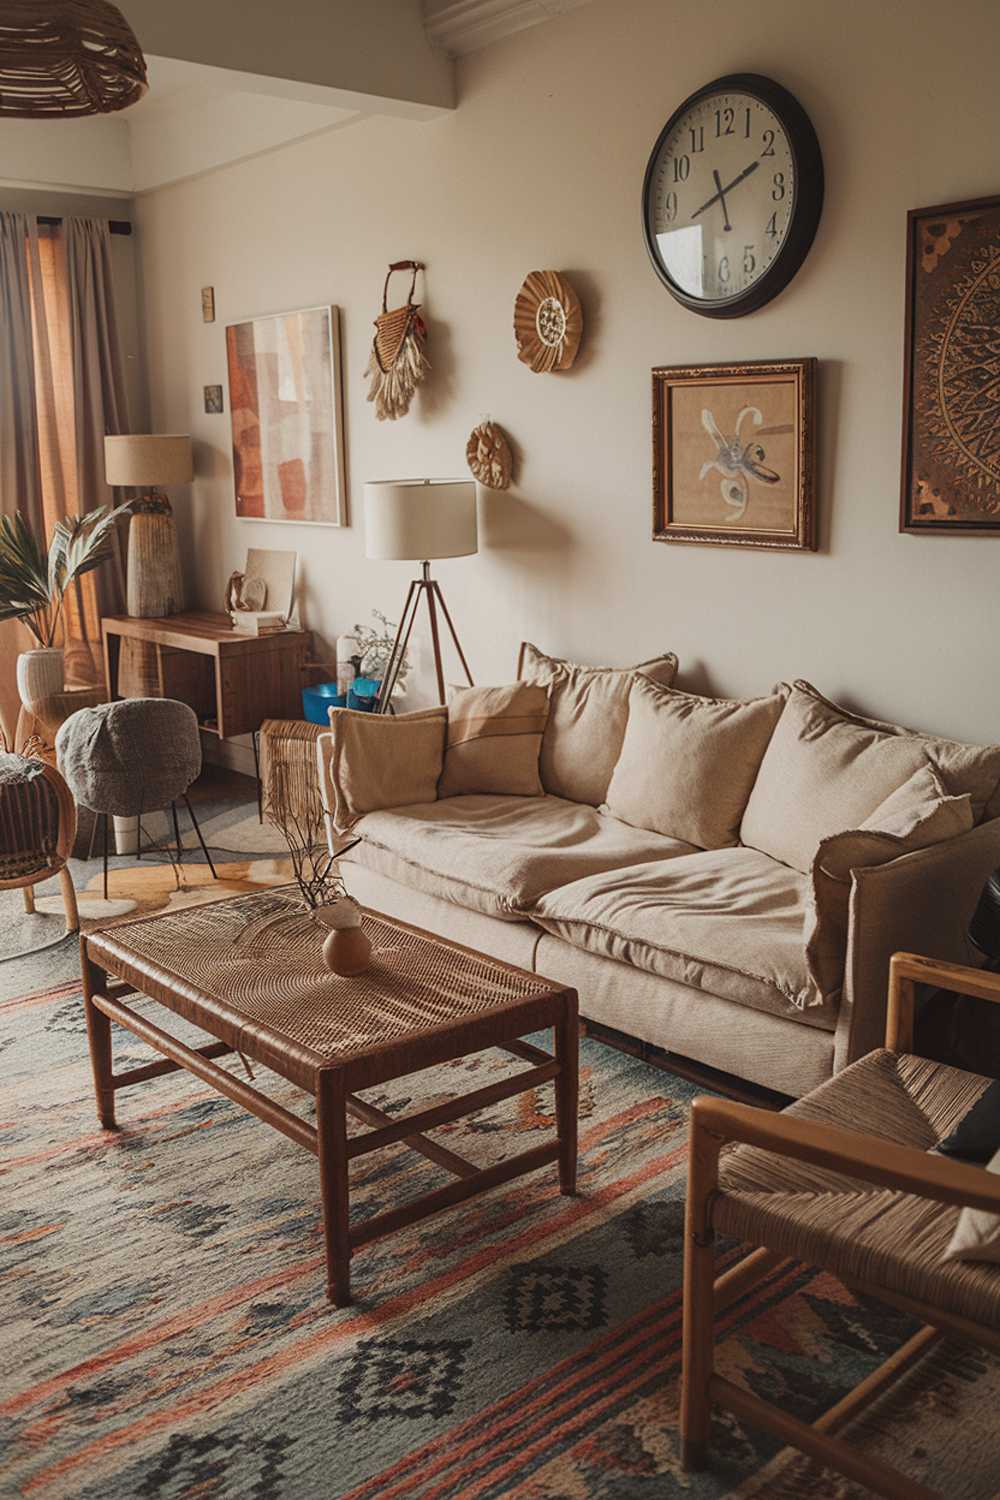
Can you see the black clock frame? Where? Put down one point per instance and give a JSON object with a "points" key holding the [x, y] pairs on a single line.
{"points": [[806, 210]]}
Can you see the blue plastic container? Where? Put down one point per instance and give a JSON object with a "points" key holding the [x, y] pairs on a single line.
{"points": [[363, 693], [317, 700]]}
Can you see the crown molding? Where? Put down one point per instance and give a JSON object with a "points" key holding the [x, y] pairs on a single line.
{"points": [[460, 26]]}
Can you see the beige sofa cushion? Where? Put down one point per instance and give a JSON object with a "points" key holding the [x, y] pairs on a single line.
{"points": [[915, 816], [963, 768], [588, 710], [499, 854], [379, 760], [821, 774], [494, 740], [728, 921], [688, 764], [826, 770]]}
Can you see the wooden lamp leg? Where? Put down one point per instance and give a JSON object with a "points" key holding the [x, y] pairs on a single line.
{"points": [[699, 1294]]}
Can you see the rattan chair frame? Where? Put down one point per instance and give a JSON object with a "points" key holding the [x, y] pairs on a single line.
{"points": [[111, 973], [56, 862], [718, 1122], [66, 59]]}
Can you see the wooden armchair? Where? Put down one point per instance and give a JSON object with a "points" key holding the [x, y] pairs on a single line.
{"points": [[37, 829], [841, 1180]]}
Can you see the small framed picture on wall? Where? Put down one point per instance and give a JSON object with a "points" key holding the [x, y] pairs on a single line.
{"points": [[951, 376], [734, 454]]}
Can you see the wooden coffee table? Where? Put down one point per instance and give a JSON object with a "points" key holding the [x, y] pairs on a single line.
{"points": [[248, 970]]}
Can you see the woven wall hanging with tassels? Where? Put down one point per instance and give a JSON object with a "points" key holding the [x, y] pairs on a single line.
{"points": [[398, 363]]}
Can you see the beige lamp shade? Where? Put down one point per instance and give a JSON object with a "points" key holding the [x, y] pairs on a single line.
{"points": [[420, 519], [146, 460]]}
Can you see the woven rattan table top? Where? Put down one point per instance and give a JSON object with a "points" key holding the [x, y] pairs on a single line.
{"points": [[249, 969]]}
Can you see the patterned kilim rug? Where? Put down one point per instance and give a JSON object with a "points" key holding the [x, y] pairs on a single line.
{"points": [[164, 1330]]}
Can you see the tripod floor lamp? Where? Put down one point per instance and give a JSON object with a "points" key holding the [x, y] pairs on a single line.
{"points": [[420, 520]]}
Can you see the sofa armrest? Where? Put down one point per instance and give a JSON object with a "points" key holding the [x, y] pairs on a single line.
{"points": [[920, 903], [373, 762]]}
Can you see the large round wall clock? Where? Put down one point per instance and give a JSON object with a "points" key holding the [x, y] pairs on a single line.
{"points": [[732, 195]]}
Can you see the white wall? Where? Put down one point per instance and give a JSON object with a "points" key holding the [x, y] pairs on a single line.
{"points": [[542, 165]]}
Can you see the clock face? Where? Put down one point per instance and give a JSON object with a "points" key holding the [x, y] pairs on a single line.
{"points": [[732, 196]]}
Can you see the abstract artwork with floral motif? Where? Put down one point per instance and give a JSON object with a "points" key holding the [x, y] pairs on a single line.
{"points": [[733, 454], [951, 407]]}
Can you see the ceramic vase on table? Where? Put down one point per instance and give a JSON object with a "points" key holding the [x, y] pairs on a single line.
{"points": [[40, 674], [347, 950]]}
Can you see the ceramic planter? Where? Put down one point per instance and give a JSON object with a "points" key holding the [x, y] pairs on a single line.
{"points": [[346, 948], [40, 674]]}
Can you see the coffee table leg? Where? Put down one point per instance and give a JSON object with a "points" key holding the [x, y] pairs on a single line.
{"points": [[567, 1091], [331, 1128], [99, 1039]]}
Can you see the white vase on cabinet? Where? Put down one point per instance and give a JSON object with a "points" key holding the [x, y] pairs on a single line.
{"points": [[40, 674]]}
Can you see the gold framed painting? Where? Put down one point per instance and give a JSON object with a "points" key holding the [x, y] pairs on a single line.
{"points": [[734, 454], [951, 377]]}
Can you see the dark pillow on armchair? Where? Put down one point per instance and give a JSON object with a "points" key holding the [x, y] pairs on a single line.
{"points": [[976, 1137]]}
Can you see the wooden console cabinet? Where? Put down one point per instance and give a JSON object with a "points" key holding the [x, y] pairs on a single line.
{"points": [[231, 680]]}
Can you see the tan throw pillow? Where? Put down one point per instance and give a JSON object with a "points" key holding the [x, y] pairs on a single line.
{"points": [[915, 816], [963, 768], [588, 710], [821, 773], [688, 763], [373, 761], [977, 1233], [494, 741]]}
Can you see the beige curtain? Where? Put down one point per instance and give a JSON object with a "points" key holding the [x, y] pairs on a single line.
{"points": [[100, 407], [20, 478], [61, 389]]}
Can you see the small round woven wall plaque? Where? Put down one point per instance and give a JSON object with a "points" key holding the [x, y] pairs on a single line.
{"points": [[548, 322], [488, 455]]}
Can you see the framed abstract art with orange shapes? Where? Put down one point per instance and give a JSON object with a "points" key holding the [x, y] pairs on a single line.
{"points": [[286, 407], [951, 379]]}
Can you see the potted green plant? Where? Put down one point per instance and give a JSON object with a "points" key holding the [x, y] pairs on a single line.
{"points": [[33, 586]]}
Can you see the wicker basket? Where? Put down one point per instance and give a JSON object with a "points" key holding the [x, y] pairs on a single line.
{"points": [[67, 58]]}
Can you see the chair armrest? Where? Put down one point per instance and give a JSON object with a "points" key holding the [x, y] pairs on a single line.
{"points": [[850, 1152], [922, 902], [907, 970]]}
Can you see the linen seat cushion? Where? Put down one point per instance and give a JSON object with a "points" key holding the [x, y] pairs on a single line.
{"points": [[826, 771], [856, 1230], [588, 711], [499, 854], [727, 921], [688, 763]]}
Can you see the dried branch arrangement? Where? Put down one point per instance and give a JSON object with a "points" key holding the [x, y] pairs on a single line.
{"points": [[297, 813]]}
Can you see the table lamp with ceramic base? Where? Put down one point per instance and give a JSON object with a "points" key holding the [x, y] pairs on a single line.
{"points": [[420, 520], [154, 587]]}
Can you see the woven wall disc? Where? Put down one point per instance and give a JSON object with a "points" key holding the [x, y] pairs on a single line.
{"points": [[489, 456], [548, 322]]}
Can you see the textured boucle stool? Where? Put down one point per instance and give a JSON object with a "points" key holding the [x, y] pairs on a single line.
{"points": [[137, 756]]}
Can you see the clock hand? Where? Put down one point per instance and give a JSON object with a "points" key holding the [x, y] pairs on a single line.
{"points": [[727, 189], [722, 197]]}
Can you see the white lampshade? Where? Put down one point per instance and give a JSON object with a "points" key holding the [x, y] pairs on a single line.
{"points": [[142, 460], [420, 519]]}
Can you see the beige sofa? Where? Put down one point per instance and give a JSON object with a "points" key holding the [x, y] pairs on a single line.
{"points": [[728, 880]]}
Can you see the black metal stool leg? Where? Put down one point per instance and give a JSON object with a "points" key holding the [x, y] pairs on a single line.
{"points": [[105, 818], [204, 849], [256, 771], [177, 833]]}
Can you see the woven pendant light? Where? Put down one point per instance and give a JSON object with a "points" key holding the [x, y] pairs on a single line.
{"points": [[66, 58]]}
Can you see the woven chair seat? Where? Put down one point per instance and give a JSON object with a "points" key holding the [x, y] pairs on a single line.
{"points": [[860, 1232]]}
